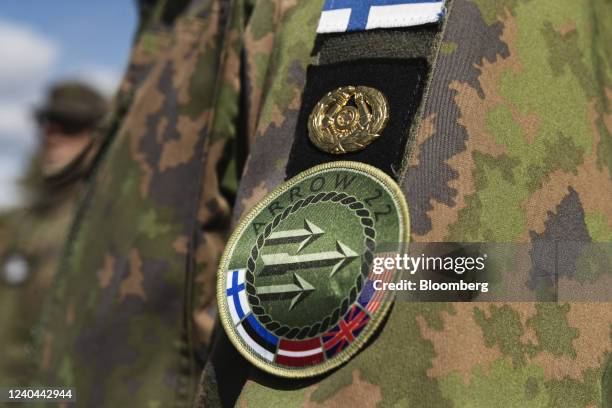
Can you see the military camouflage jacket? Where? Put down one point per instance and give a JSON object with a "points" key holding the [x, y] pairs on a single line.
{"points": [[509, 142], [132, 306]]}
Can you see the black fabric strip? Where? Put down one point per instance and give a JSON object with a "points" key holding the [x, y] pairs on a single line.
{"points": [[405, 42], [400, 80]]}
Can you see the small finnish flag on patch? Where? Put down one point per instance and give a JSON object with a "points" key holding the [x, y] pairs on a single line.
{"points": [[356, 15], [236, 294]]}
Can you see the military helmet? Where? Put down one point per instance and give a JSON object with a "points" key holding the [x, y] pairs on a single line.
{"points": [[72, 104]]}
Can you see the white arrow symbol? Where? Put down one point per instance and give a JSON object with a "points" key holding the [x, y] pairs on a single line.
{"points": [[299, 286], [281, 262], [306, 235]]}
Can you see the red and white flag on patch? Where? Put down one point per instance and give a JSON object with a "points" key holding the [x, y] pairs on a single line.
{"points": [[299, 353]]}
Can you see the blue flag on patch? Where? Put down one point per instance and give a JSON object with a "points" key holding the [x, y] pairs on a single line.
{"points": [[357, 15]]}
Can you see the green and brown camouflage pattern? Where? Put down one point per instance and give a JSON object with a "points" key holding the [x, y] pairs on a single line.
{"points": [[513, 145], [130, 303]]}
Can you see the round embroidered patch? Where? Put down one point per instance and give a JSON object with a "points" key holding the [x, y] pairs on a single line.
{"points": [[295, 287]]}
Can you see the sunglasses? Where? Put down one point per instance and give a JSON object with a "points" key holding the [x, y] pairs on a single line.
{"points": [[67, 126]]}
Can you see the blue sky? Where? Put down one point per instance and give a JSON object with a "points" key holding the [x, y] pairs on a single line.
{"points": [[42, 41], [90, 32]]}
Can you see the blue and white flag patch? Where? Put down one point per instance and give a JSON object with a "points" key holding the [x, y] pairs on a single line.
{"points": [[236, 294], [357, 15], [251, 331]]}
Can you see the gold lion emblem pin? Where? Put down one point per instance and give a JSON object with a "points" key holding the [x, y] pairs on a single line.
{"points": [[348, 119]]}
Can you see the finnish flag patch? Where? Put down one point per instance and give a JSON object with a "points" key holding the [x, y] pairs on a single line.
{"points": [[357, 15]]}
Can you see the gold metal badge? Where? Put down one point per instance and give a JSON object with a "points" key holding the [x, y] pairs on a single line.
{"points": [[348, 119]]}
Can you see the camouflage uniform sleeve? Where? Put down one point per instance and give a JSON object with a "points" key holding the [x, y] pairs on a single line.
{"points": [[512, 145], [130, 315], [223, 166]]}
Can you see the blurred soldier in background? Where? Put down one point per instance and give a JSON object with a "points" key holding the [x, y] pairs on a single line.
{"points": [[31, 237]]}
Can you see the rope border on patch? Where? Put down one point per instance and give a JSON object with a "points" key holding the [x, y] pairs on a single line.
{"points": [[330, 351]]}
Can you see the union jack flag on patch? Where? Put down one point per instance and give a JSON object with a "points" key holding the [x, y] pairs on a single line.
{"points": [[345, 332]]}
